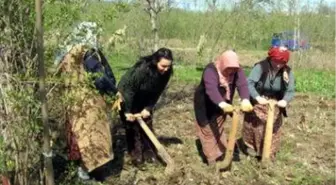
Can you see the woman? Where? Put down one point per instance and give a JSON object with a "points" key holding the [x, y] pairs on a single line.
{"points": [[213, 99], [269, 79], [140, 89], [86, 119]]}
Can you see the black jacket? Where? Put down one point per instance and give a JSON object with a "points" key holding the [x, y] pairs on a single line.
{"points": [[141, 86]]}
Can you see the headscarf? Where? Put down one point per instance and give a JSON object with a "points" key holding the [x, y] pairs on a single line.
{"points": [[279, 55], [228, 59], [84, 33]]}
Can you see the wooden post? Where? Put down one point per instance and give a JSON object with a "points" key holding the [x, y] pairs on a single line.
{"points": [[49, 172]]}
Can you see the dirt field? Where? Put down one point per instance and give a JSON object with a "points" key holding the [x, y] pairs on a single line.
{"points": [[307, 153]]}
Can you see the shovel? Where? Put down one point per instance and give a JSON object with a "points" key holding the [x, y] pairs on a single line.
{"points": [[226, 164], [161, 150], [268, 133]]}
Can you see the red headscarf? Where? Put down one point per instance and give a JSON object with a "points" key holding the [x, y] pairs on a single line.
{"points": [[279, 55]]}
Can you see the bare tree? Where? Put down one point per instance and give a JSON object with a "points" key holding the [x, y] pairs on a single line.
{"points": [[153, 8], [49, 173], [292, 7], [170, 3], [212, 4]]}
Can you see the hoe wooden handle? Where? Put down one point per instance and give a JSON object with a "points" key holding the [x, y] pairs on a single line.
{"points": [[161, 150], [268, 132], [232, 140]]}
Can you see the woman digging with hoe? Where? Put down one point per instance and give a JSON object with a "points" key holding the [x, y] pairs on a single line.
{"points": [[269, 80], [140, 89], [212, 102]]}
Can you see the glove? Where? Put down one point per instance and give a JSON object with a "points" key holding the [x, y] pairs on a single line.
{"points": [[282, 103], [246, 106], [261, 100], [145, 113], [225, 107], [117, 103], [130, 117]]}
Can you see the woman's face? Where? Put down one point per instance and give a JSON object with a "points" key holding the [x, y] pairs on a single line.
{"points": [[229, 71], [164, 65], [277, 66]]}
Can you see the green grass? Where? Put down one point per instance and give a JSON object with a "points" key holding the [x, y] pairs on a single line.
{"points": [[187, 74], [315, 81]]}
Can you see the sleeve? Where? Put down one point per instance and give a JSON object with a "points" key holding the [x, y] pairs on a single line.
{"points": [[289, 94], [157, 95], [105, 86], [242, 85], [210, 78], [129, 85], [253, 78]]}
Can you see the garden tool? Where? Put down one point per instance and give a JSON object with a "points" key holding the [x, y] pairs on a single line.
{"points": [[159, 147], [225, 165], [268, 132]]}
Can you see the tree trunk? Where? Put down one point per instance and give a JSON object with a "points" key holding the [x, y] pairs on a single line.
{"points": [[212, 5], [298, 37], [153, 19], [49, 173]]}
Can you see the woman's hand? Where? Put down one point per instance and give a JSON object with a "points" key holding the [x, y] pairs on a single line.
{"points": [[130, 117], [145, 113], [246, 105], [282, 103], [261, 100], [227, 108]]}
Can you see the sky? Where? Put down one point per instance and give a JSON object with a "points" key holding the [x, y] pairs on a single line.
{"points": [[201, 5]]}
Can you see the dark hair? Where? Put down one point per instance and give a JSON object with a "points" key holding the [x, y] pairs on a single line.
{"points": [[157, 55], [152, 60], [147, 68]]}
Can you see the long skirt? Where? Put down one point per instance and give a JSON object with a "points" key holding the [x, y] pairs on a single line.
{"points": [[5, 180], [88, 125], [254, 129], [89, 134], [213, 138]]}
